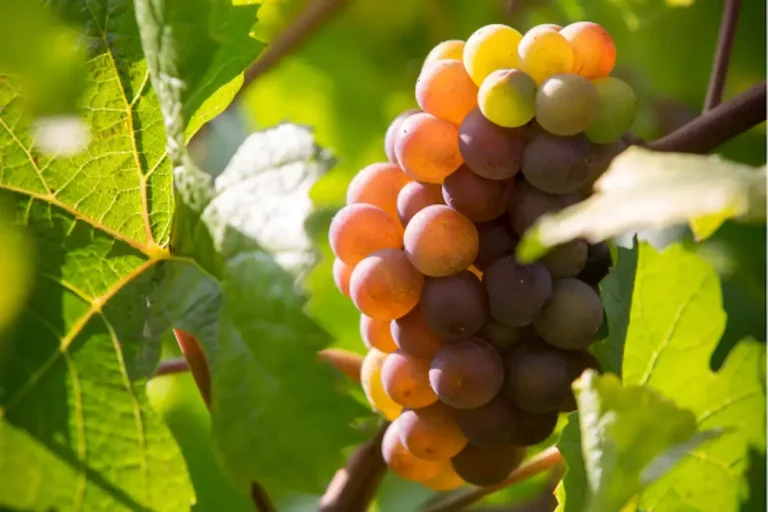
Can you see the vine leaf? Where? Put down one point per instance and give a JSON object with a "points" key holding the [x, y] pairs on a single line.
{"points": [[645, 189], [72, 393]]}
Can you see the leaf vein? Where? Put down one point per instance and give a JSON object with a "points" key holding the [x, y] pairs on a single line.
{"points": [[77, 392], [28, 153]]}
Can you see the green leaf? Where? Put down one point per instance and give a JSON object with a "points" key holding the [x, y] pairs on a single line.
{"points": [[630, 436], [644, 189], [573, 491]]}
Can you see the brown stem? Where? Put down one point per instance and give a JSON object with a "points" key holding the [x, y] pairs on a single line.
{"points": [[716, 126], [172, 367], [549, 458], [722, 53], [345, 361], [353, 487]]}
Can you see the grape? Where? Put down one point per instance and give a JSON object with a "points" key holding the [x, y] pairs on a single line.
{"points": [[390, 138], [416, 196], [488, 149], [406, 380], [431, 432], [454, 306], [494, 242], [578, 362], [544, 53], [378, 185], [446, 479], [413, 335], [601, 157], [439, 241], [359, 230], [502, 337], [385, 285], [487, 465], [466, 374], [445, 90], [451, 49], [370, 379], [427, 148], [598, 264], [557, 165], [572, 316], [538, 379], [566, 104], [375, 334], [490, 48], [545, 27], [492, 423], [531, 429], [616, 106], [594, 52], [516, 293], [341, 275], [477, 198], [507, 97], [566, 260], [531, 203], [402, 462]]}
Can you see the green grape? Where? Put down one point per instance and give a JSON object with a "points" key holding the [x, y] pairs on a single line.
{"points": [[616, 106], [507, 97], [490, 48], [543, 53], [566, 104]]}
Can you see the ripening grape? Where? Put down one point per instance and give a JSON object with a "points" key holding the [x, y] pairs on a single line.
{"points": [[385, 285], [440, 241], [446, 479], [451, 49], [566, 104], [341, 275], [566, 260], [594, 53], [507, 97], [406, 380], [455, 306], [502, 337], [516, 293], [466, 374], [413, 335], [358, 230], [477, 198], [490, 150], [375, 334], [416, 196], [572, 316], [492, 423], [599, 160], [578, 362], [545, 27], [490, 48], [370, 379], [539, 379], [445, 90], [598, 264], [390, 138], [544, 53], [378, 185], [616, 107], [487, 465], [427, 148], [531, 429], [557, 165], [531, 203], [494, 242], [431, 432], [402, 462]]}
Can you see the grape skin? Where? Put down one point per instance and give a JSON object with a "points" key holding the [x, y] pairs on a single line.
{"points": [[566, 260], [544, 53], [598, 264], [414, 197], [440, 241], [375, 334], [600, 158], [390, 138], [402, 462], [385, 285], [427, 148], [538, 380], [445, 90], [466, 374], [451, 49], [477, 198], [341, 274], [531, 429], [572, 316], [358, 230], [494, 242], [431, 432], [370, 380], [616, 107], [446, 479], [530, 203], [487, 465], [566, 104], [594, 52], [516, 293], [454, 306], [492, 423], [490, 151], [490, 48], [557, 165], [406, 380], [502, 337], [413, 335], [379, 185], [507, 97]]}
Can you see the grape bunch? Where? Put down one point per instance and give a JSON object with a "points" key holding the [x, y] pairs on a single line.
{"points": [[471, 354]]}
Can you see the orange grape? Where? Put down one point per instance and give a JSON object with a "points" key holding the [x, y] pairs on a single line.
{"points": [[402, 462], [406, 380], [451, 49], [428, 148], [376, 334], [413, 335], [440, 241], [416, 196], [385, 285], [370, 380], [358, 230], [445, 90], [594, 52], [378, 185], [431, 432], [390, 138], [446, 479], [341, 275]]}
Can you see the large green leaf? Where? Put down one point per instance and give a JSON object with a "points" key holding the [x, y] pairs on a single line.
{"points": [[573, 490], [77, 431]]}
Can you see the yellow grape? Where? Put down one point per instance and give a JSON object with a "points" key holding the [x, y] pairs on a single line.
{"points": [[451, 49], [507, 98], [490, 48], [370, 379], [543, 53], [402, 462]]}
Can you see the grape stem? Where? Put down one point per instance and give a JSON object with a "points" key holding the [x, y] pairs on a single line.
{"points": [[547, 459], [722, 54], [171, 367]]}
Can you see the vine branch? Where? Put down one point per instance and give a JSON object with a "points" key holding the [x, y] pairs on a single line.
{"points": [[722, 53]]}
